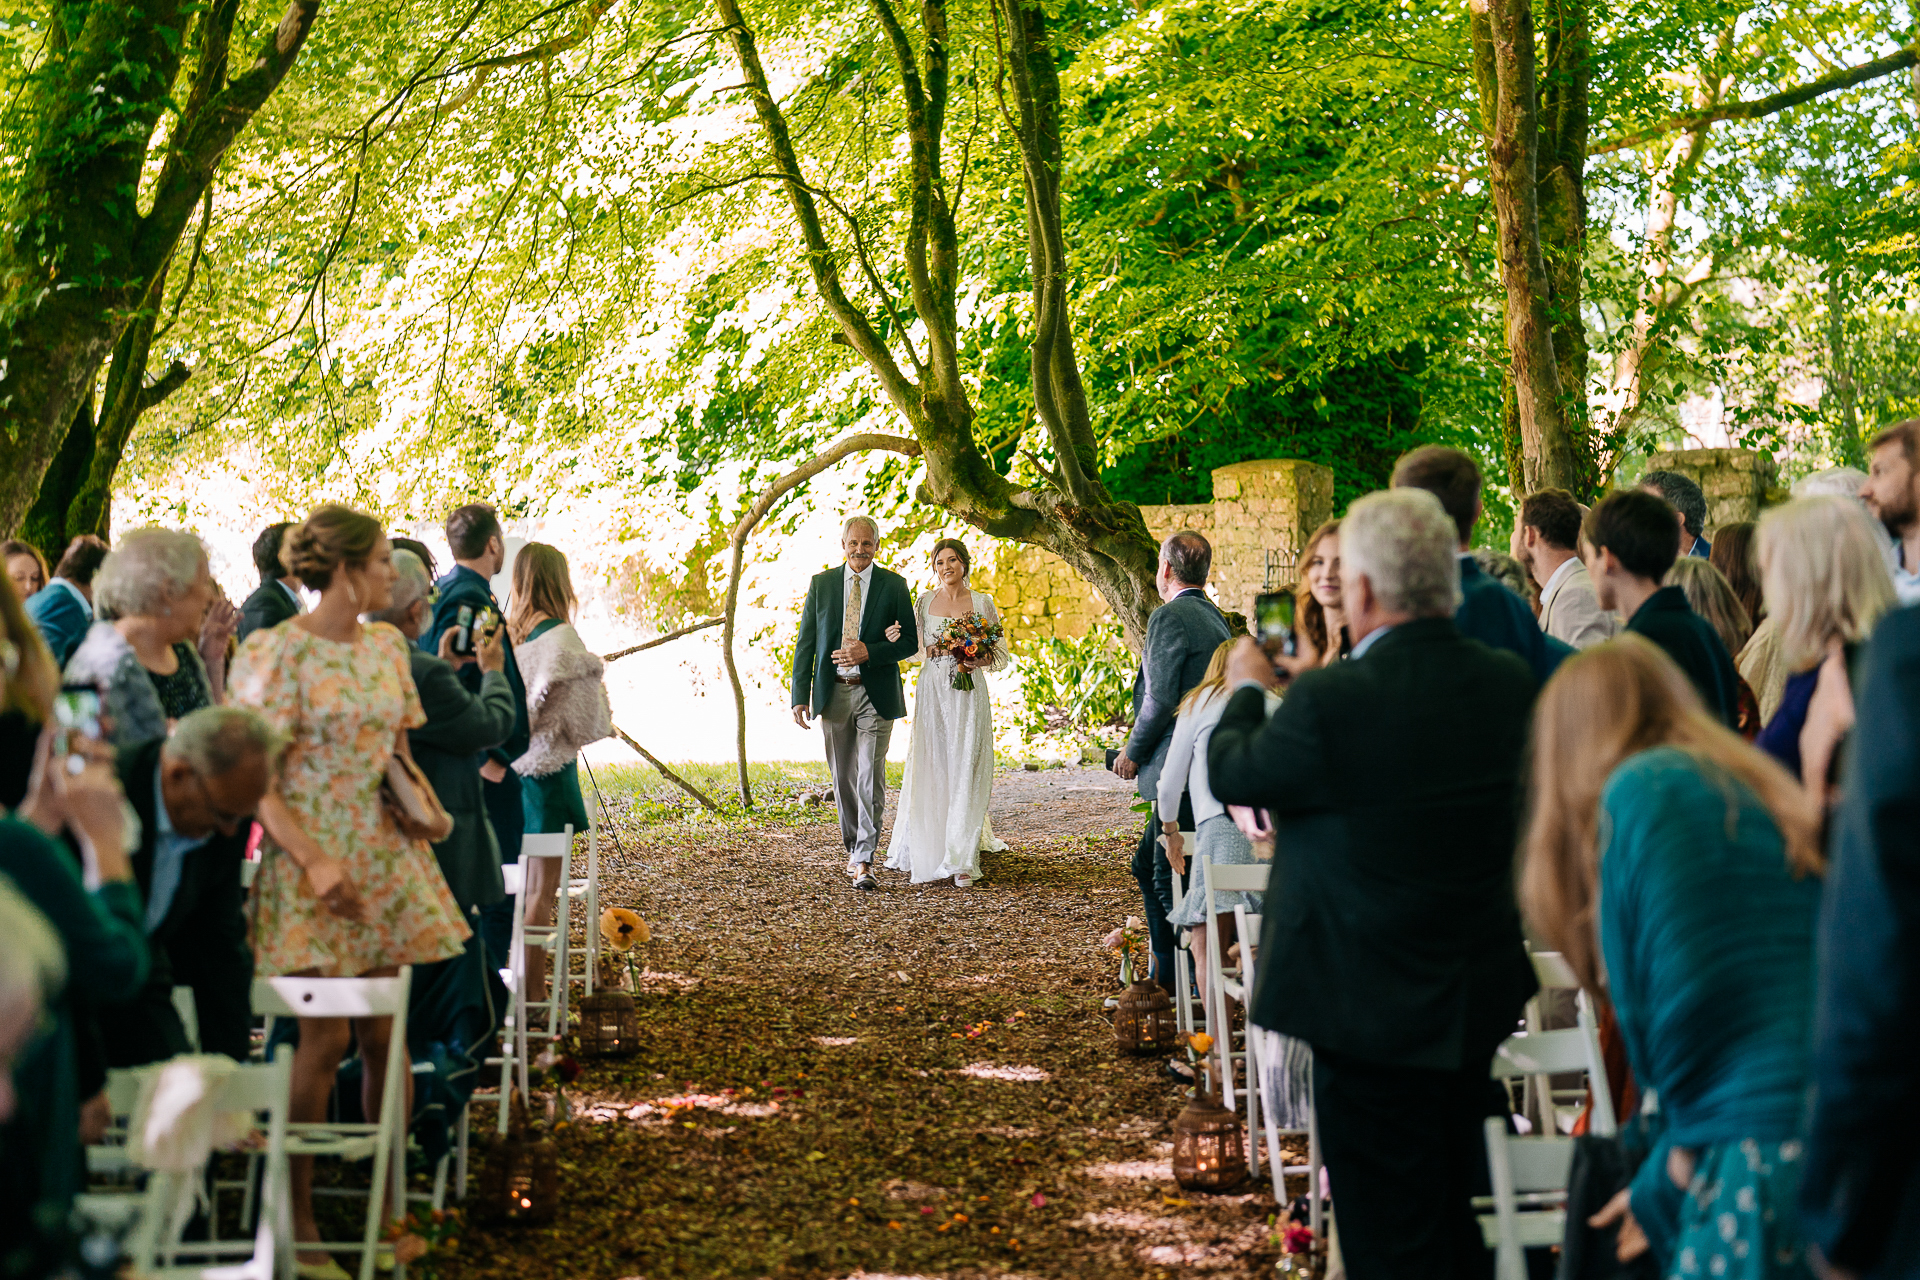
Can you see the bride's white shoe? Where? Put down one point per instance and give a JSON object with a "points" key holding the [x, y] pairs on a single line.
{"points": [[963, 882]]}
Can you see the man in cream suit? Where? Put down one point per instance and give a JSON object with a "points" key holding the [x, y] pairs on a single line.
{"points": [[1546, 540]]}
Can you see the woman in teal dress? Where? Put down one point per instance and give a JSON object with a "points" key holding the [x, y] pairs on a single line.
{"points": [[1677, 869], [566, 709]]}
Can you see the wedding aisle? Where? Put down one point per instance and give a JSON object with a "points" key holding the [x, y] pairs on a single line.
{"points": [[916, 1082]]}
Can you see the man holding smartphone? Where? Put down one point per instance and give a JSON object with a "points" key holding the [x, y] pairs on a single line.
{"points": [[480, 552]]}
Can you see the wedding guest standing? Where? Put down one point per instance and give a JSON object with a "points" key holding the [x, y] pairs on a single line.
{"points": [[195, 794], [567, 709], [1547, 541], [1184, 777], [277, 598], [164, 653], [1860, 1192], [479, 549], [1689, 506], [1322, 623], [1488, 612], [1391, 940], [63, 609], [1892, 494], [1828, 585], [95, 909], [26, 567], [941, 825], [341, 891], [1628, 543], [1711, 597], [856, 628], [26, 697], [1181, 637], [1677, 869]]}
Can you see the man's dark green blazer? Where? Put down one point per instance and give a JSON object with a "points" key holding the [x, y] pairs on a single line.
{"points": [[1390, 933], [888, 602]]}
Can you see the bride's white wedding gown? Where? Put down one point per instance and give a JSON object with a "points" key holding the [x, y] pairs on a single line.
{"points": [[941, 825]]}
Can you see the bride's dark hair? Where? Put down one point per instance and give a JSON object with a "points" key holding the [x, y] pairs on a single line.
{"points": [[958, 548]]}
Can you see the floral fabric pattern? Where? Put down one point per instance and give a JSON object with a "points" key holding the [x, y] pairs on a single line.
{"points": [[1738, 1221], [341, 705]]}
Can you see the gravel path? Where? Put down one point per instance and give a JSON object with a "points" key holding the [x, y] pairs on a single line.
{"points": [[915, 1082]]}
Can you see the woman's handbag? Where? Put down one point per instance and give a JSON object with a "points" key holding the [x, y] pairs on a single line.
{"points": [[410, 799]]}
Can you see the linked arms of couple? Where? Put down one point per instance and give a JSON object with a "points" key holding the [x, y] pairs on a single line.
{"points": [[851, 653]]}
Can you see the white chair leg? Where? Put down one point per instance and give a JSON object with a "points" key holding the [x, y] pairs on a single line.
{"points": [[1313, 1164]]}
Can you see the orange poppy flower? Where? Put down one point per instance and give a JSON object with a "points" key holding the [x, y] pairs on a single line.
{"points": [[623, 929]]}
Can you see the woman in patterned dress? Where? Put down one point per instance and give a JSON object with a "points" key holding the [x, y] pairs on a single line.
{"points": [[341, 891], [1677, 868]]}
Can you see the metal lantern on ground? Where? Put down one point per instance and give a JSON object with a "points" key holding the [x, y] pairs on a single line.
{"points": [[609, 1025], [521, 1179], [1209, 1145], [1145, 1021]]}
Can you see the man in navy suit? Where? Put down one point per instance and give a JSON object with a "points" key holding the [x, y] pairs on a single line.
{"points": [[276, 598], [854, 685], [1488, 612]]}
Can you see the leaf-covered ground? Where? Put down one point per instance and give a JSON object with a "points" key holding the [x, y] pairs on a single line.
{"points": [[917, 1082]]}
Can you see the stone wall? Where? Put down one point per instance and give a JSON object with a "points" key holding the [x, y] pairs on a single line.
{"points": [[1259, 520], [1737, 482]]}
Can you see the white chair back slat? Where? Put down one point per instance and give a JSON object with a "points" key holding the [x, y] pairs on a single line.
{"points": [[1540, 1164], [329, 997], [1553, 971], [1542, 1053], [1239, 877]]}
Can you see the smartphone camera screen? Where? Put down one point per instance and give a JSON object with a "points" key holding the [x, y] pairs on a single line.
{"points": [[76, 712], [1273, 622]]}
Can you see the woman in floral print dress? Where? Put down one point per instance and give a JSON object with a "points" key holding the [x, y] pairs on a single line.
{"points": [[341, 891]]}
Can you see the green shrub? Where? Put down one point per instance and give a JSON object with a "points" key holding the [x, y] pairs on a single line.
{"points": [[1077, 687]]}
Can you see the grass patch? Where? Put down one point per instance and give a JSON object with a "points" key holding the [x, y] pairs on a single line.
{"points": [[640, 794]]}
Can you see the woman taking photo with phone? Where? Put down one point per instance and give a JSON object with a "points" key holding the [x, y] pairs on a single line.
{"points": [[566, 709], [342, 891]]}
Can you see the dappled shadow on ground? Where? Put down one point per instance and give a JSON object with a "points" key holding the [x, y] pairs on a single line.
{"points": [[914, 1082]]}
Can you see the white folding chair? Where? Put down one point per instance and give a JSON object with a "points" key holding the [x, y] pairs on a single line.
{"points": [[587, 889], [1225, 982], [384, 1140], [157, 1252], [521, 1033], [1184, 1001], [1528, 1207], [1267, 1058]]}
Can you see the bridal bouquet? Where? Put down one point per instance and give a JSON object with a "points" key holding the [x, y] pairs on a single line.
{"points": [[969, 638]]}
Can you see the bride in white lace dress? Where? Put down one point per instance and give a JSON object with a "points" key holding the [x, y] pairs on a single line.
{"points": [[941, 825]]}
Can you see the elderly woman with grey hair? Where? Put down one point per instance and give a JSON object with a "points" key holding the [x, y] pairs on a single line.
{"points": [[159, 649]]}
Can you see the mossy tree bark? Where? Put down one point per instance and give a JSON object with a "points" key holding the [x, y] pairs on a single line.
{"points": [[80, 259]]}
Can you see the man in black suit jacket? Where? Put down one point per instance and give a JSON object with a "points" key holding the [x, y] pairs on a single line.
{"points": [[1628, 545], [1392, 941], [195, 794], [854, 685], [1182, 635], [1860, 1192], [274, 600]]}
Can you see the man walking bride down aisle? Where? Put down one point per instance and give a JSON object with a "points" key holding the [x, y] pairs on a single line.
{"points": [[854, 688]]}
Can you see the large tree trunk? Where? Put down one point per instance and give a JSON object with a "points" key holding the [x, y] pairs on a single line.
{"points": [[78, 255], [1503, 42], [1564, 123], [1070, 513]]}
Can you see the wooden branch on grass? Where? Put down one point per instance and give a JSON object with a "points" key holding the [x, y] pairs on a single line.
{"points": [[688, 630], [665, 772]]}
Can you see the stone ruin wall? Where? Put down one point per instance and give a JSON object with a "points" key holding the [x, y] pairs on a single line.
{"points": [[1258, 522]]}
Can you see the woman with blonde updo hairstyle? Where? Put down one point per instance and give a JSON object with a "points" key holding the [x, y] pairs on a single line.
{"points": [[341, 891]]}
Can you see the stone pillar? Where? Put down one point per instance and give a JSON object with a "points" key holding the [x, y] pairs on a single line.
{"points": [[1736, 481], [1263, 513]]}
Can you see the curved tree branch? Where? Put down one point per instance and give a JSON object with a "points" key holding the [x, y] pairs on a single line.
{"points": [[1773, 104], [755, 514]]}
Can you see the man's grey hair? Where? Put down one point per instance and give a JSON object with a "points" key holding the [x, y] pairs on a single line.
{"points": [[1405, 544], [410, 586], [868, 521], [1834, 482], [145, 570], [1188, 557], [214, 740]]}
